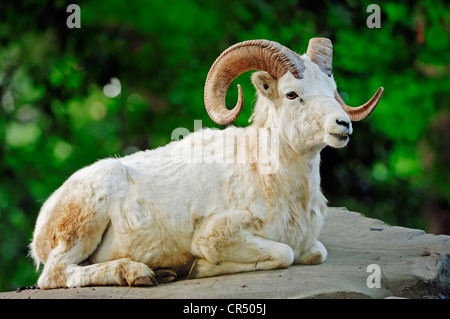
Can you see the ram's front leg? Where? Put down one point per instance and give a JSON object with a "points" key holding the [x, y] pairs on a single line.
{"points": [[226, 244]]}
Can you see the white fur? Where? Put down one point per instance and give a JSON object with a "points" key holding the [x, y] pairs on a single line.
{"points": [[151, 215]]}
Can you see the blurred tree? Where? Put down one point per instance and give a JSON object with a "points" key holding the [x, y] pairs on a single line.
{"points": [[60, 110]]}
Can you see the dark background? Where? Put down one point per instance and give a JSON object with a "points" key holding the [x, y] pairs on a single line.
{"points": [[55, 117]]}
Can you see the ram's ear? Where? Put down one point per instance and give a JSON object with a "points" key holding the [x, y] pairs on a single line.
{"points": [[265, 84]]}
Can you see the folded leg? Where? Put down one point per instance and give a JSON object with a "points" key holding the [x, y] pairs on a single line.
{"points": [[250, 254]]}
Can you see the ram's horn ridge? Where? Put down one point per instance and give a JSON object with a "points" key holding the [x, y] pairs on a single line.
{"points": [[262, 55], [320, 51]]}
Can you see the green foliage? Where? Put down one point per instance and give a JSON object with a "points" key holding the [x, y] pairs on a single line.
{"points": [[55, 117]]}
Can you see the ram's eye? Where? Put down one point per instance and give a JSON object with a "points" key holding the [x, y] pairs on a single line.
{"points": [[291, 95]]}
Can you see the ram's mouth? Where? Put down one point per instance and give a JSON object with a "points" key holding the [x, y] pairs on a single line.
{"points": [[341, 137]]}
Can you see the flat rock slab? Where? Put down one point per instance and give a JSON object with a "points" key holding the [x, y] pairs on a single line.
{"points": [[411, 264]]}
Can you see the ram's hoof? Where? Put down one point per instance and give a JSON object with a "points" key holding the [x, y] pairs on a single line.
{"points": [[145, 281], [164, 275]]}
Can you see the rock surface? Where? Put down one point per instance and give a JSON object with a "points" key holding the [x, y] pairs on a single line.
{"points": [[412, 264]]}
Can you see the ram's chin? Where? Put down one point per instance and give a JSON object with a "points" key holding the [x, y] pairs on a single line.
{"points": [[337, 140]]}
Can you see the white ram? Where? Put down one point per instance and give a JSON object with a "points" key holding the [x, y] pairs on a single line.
{"points": [[150, 216]]}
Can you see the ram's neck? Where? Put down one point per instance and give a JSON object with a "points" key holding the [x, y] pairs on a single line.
{"points": [[286, 175], [299, 176]]}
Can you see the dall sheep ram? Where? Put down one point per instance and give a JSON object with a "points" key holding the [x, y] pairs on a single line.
{"points": [[150, 216]]}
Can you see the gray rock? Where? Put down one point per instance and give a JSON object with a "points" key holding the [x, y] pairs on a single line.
{"points": [[412, 264]]}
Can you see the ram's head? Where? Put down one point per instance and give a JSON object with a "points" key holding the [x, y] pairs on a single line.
{"points": [[299, 92]]}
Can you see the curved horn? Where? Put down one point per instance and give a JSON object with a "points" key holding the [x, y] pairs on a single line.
{"points": [[320, 51], [361, 112], [261, 55]]}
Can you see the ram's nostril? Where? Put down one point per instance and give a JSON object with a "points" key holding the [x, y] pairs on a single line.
{"points": [[344, 123]]}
